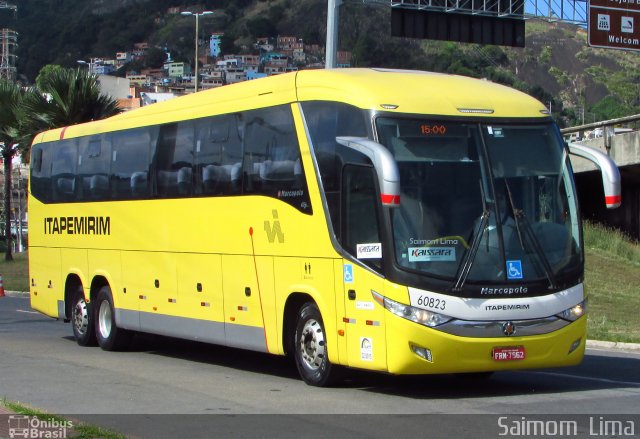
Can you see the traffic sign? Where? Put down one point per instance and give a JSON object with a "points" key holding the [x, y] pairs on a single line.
{"points": [[632, 5], [614, 24]]}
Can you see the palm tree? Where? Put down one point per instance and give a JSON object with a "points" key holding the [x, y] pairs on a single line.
{"points": [[11, 118], [61, 98], [67, 97]]}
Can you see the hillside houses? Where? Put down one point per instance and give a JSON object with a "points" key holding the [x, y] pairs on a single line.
{"points": [[269, 56]]}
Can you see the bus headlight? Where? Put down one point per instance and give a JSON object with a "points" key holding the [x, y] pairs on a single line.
{"points": [[575, 312], [421, 316]]}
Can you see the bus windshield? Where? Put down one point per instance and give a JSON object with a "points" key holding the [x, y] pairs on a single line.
{"points": [[483, 202]]}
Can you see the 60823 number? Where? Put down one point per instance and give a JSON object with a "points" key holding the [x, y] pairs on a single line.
{"points": [[432, 303]]}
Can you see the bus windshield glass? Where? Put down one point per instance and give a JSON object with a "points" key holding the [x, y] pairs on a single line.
{"points": [[483, 202]]}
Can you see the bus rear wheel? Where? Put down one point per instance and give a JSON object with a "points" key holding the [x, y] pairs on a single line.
{"points": [[310, 348], [82, 318], [109, 336]]}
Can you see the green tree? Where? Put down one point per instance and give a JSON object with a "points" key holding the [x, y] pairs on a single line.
{"points": [[610, 107], [155, 58], [261, 27], [11, 119], [67, 97], [45, 73]]}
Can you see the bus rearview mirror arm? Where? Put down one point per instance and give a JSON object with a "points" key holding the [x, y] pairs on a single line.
{"points": [[384, 164], [608, 169]]}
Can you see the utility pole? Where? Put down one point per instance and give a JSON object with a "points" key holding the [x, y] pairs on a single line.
{"points": [[8, 43], [333, 18]]}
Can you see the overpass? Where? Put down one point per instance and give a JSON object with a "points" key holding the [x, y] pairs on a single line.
{"points": [[624, 149]]}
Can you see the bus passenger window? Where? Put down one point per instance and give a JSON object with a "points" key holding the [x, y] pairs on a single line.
{"points": [[219, 155], [130, 163], [272, 162], [93, 168], [63, 171], [174, 160], [41, 172]]}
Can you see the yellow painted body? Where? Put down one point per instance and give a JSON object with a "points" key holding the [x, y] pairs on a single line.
{"points": [[196, 258]]}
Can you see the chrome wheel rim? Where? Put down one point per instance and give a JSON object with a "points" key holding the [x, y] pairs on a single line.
{"points": [[312, 345], [81, 317], [104, 319]]}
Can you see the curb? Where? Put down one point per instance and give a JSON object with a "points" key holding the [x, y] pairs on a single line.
{"points": [[613, 345], [16, 293]]}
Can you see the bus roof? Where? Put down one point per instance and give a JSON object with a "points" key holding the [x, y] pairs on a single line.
{"points": [[417, 92], [400, 91]]}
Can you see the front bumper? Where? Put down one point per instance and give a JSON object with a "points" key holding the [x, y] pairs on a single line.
{"points": [[453, 354]]}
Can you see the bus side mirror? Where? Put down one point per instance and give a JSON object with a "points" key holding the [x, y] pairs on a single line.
{"points": [[384, 164], [608, 168]]}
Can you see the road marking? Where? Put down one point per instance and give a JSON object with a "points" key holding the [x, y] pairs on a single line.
{"points": [[28, 312], [580, 377]]}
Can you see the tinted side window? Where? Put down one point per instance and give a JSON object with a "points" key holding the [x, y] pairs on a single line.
{"points": [[93, 168], [272, 163], [360, 211], [130, 158], [40, 180], [174, 160], [63, 170], [219, 155], [325, 121]]}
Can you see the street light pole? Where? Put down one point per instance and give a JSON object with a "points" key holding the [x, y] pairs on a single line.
{"points": [[84, 63], [333, 16], [197, 15]]}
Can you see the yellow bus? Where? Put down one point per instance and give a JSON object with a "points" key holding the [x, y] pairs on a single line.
{"points": [[397, 221]]}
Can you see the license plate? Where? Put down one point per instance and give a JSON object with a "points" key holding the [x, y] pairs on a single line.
{"points": [[511, 353]]}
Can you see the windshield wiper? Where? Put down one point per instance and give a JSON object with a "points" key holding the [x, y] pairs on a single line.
{"points": [[522, 222], [465, 268]]}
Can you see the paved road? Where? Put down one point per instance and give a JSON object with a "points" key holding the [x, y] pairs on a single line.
{"points": [[41, 365]]}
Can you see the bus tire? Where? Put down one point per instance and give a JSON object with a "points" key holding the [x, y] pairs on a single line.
{"points": [[310, 349], [82, 319], [109, 336]]}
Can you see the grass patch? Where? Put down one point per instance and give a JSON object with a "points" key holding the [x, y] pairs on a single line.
{"points": [[605, 240], [79, 430], [15, 274], [612, 281]]}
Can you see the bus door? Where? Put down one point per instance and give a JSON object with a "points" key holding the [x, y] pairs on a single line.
{"points": [[364, 319]]}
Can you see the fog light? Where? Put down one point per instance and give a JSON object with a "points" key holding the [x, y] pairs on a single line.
{"points": [[575, 345], [421, 352]]}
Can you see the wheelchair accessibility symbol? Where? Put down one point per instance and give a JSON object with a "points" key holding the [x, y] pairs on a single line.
{"points": [[348, 273], [514, 269]]}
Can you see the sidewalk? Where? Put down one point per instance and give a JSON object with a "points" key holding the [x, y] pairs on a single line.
{"points": [[613, 345], [16, 293]]}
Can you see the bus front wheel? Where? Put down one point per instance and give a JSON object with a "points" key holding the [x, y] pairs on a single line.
{"points": [[82, 319], [310, 348], [109, 336]]}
